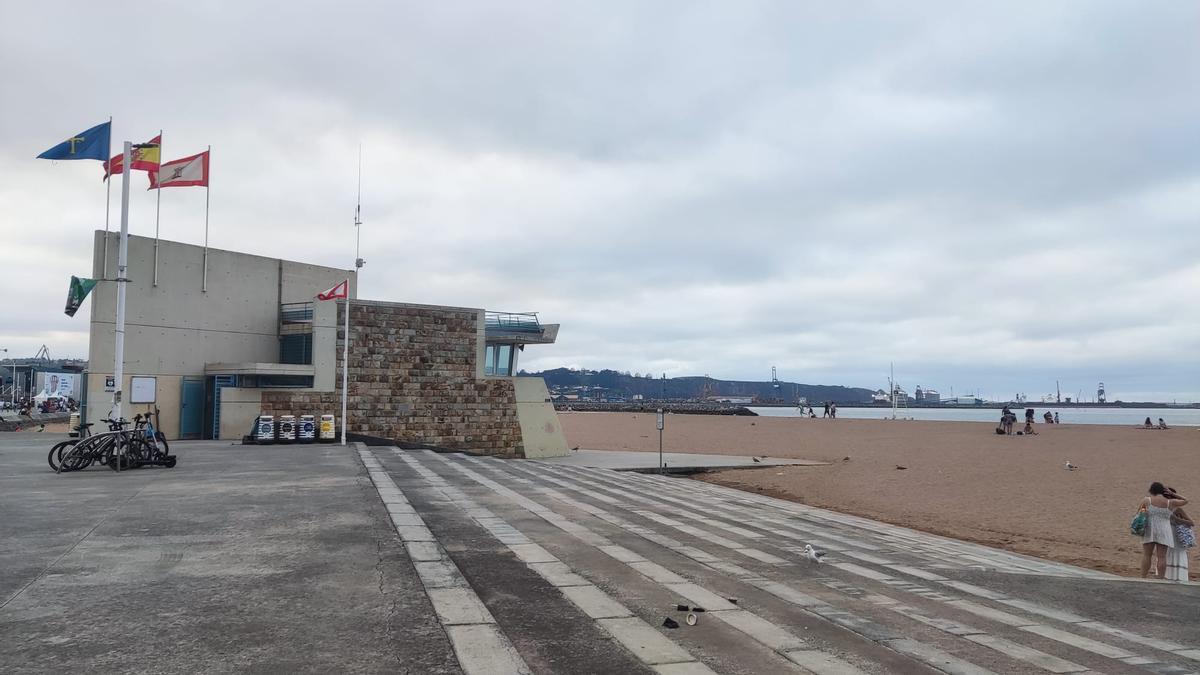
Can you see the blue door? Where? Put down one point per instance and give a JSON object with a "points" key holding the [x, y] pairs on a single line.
{"points": [[191, 407]]}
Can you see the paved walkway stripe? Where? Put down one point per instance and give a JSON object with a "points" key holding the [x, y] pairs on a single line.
{"points": [[716, 606], [479, 645], [1058, 635], [639, 637], [806, 604]]}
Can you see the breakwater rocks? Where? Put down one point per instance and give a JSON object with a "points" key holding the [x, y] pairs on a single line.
{"points": [[651, 407]]}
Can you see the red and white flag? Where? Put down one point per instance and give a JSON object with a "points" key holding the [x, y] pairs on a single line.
{"points": [[339, 292], [185, 172]]}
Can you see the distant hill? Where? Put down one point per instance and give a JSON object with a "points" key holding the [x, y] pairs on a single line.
{"points": [[628, 385]]}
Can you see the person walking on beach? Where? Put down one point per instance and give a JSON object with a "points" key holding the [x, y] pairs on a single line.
{"points": [[826, 413], [1056, 418], [1185, 538], [1159, 535], [833, 410]]}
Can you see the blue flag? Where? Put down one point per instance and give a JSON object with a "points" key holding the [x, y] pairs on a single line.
{"points": [[90, 144]]}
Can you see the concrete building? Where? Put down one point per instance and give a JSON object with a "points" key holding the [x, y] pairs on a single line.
{"points": [[258, 340]]}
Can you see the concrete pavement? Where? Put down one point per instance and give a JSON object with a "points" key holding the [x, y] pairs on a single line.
{"points": [[675, 462], [320, 558]]}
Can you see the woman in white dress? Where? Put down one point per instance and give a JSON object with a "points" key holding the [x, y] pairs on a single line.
{"points": [[1159, 535], [1177, 555]]}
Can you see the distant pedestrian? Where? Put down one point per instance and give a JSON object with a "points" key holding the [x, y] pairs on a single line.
{"points": [[1148, 424], [1056, 418], [1159, 534], [826, 413], [833, 410], [1028, 416], [1162, 424], [1047, 418]]}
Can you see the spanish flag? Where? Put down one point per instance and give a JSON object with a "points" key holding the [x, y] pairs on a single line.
{"points": [[145, 157]]}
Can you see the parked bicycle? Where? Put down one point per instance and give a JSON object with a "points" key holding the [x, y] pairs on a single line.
{"points": [[119, 449]]}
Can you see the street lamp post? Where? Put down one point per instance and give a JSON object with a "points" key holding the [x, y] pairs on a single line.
{"points": [[661, 468]]}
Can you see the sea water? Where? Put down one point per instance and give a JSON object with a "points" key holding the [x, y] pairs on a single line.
{"points": [[1120, 416]]}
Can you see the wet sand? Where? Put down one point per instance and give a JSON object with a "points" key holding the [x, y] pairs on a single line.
{"points": [[961, 480]]}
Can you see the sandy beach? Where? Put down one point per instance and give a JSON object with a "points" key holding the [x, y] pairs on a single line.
{"points": [[961, 480]]}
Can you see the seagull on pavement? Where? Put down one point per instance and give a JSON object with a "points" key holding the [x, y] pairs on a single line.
{"points": [[813, 554]]}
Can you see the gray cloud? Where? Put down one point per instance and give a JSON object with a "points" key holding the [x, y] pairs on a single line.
{"points": [[993, 199]]}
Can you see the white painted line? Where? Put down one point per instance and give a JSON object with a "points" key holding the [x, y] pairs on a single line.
{"points": [[480, 647], [420, 533], [656, 572], [763, 556], [917, 572], [458, 606], [761, 630], [701, 596], [785, 592], [1193, 654], [861, 571], [1079, 642], [1034, 608], [866, 557], [532, 553], [646, 643], [621, 553], [693, 668], [423, 550], [1027, 654], [974, 590], [992, 614], [944, 662], [821, 663], [558, 574], [594, 602], [439, 574], [483, 650]]}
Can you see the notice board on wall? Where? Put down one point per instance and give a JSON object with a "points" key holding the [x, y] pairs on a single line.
{"points": [[142, 389]]}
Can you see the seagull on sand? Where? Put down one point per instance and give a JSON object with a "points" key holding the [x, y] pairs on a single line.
{"points": [[1069, 466], [813, 554]]}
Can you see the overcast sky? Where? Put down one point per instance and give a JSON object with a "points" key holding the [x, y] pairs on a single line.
{"points": [[992, 197]]}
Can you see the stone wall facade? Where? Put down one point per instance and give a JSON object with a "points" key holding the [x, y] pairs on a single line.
{"points": [[413, 379]]}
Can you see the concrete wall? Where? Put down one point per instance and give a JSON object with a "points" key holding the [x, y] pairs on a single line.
{"points": [[416, 377], [168, 391], [239, 407], [174, 329], [541, 433]]}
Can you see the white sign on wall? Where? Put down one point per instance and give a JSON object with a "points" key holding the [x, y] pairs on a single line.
{"points": [[142, 389]]}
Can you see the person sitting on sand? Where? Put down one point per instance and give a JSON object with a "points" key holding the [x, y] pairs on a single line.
{"points": [[1047, 418], [1159, 535], [1029, 428], [1162, 424], [1148, 424]]}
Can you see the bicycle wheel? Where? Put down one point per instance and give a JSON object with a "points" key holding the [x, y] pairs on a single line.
{"points": [[55, 454]]}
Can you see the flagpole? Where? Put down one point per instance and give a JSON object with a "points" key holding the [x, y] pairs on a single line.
{"points": [[345, 361], [122, 266], [157, 209], [207, 180], [107, 197]]}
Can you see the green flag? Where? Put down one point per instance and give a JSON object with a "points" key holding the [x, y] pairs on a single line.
{"points": [[78, 291]]}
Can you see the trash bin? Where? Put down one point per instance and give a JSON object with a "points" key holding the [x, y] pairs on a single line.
{"points": [[266, 429], [328, 429], [307, 432], [287, 429]]}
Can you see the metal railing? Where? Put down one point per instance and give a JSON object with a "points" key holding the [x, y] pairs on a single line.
{"points": [[513, 322]]}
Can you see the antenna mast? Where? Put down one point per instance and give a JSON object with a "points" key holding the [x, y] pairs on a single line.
{"points": [[358, 261]]}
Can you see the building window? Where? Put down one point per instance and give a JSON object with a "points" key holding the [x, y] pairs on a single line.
{"points": [[275, 381], [498, 360]]}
